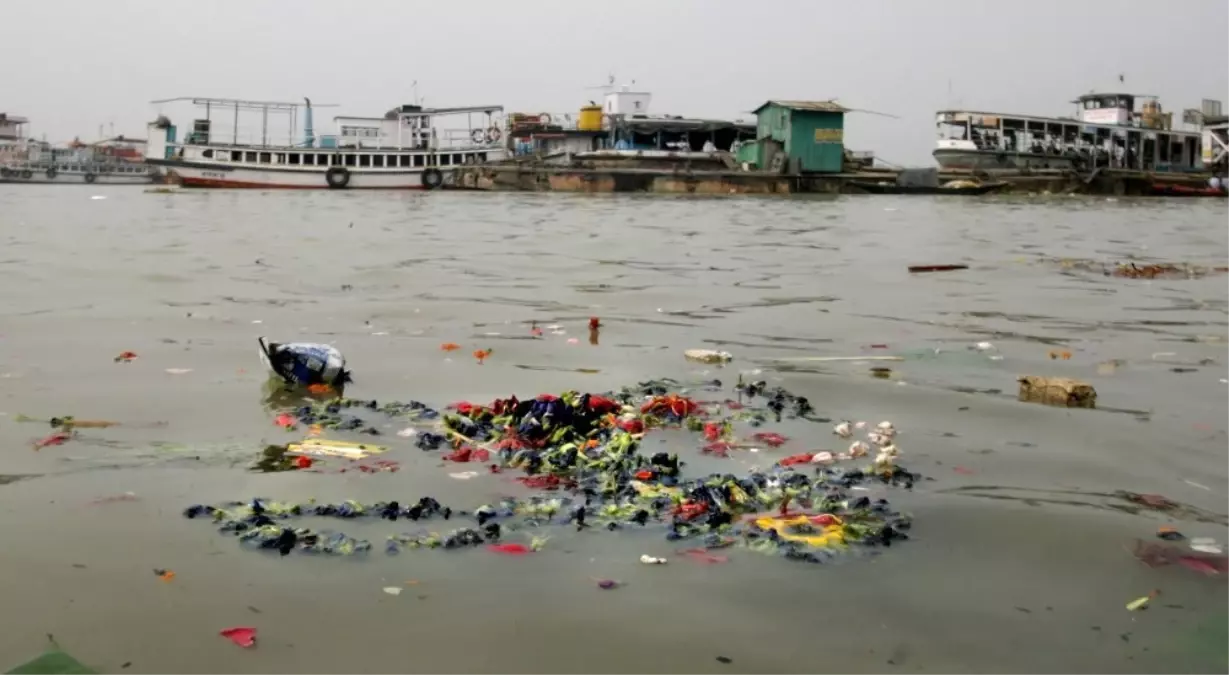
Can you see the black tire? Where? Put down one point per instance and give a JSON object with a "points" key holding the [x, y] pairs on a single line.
{"points": [[432, 178], [51, 172], [90, 178], [338, 177], [27, 174]]}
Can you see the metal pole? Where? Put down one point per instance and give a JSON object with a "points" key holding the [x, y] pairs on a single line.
{"points": [[235, 131], [264, 125]]}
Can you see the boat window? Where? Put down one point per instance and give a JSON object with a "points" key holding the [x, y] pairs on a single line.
{"points": [[293, 158], [207, 153], [323, 160], [236, 155], [308, 159], [266, 158], [418, 160], [350, 160], [364, 160], [249, 157], [377, 161], [445, 160], [279, 158], [404, 160], [481, 157]]}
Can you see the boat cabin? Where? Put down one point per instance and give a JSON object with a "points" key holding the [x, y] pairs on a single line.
{"points": [[1107, 132], [404, 137]]}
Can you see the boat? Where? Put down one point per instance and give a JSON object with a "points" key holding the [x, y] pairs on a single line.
{"points": [[1107, 132], [27, 160], [1177, 190], [966, 189], [68, 171], [403, 149]]}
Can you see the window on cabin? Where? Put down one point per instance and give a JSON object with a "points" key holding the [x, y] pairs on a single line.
{"points": [[249, 157], [364, 160], [266, 158], [323, 160], [350, 161], [207, 153], [295, 158], [445, 160], [377, 161], [418, 160], [403, 160]]}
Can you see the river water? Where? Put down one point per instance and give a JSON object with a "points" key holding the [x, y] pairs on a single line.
{"points": [[1019, 561]]}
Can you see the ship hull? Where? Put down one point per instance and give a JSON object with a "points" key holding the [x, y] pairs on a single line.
{"points": [[972, 160], [194, 175]]}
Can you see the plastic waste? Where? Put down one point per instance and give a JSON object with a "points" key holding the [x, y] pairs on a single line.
{"points": [[244, 636], [54, 660], [319, 447], [1206, 545], [650, 560], [304, 363], [707, 356]]}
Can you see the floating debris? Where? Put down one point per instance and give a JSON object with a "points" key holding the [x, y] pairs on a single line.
{"points": [[921, 269], [707, 356], [585, 448], [1060, 391]]}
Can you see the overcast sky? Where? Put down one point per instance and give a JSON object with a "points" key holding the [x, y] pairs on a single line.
{"points": [[71, 65]]}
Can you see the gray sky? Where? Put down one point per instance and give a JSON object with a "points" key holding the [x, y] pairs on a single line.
{"points": [[75, 64]]}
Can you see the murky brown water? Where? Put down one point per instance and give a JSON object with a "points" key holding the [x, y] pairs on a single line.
{"points": [[995, 579]]}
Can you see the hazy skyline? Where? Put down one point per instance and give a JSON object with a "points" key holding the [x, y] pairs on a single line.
{"points": [[75, 65]]}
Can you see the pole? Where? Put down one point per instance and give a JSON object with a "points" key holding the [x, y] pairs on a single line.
{"points": [[264, 125], [235, 130]]}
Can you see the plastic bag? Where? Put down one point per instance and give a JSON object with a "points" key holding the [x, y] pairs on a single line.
{"points": [[305, 363]]}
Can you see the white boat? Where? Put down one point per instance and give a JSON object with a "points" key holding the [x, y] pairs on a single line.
{"points": [[404, 149], [1107, 133], [78, 172], [26, 160]]}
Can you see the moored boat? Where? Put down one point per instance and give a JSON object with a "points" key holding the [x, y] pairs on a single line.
{"points": [[404, 149], [1107, 133]]}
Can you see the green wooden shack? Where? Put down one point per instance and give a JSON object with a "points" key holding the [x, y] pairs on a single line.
{"points": [[800, 136]]}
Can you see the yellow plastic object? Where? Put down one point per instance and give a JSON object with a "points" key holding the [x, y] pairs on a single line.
{"points": [[320, 447], [590, 118], [829, 535]]}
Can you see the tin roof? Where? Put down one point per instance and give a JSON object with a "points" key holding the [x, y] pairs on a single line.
{"points": [[817, 106]]}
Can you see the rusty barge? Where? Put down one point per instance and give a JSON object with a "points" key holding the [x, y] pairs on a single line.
{"points": [[791, 147]]}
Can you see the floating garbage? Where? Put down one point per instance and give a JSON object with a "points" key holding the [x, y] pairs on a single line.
{"points": [[707, 356], [319, 447], [244, 636], [583, 452], [1060, 391], [304, 364], [54, 660], [650, 560]]}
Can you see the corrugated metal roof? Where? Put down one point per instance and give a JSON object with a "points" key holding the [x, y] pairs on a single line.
{"points": [[820, 106]]}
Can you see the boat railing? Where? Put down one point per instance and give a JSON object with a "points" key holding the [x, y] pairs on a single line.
{"points": [[426, 139]]}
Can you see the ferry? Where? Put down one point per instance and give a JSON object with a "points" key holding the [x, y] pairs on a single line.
{"points": [[77, 170], [403, 149], [1107, 132], [27, 160]]}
